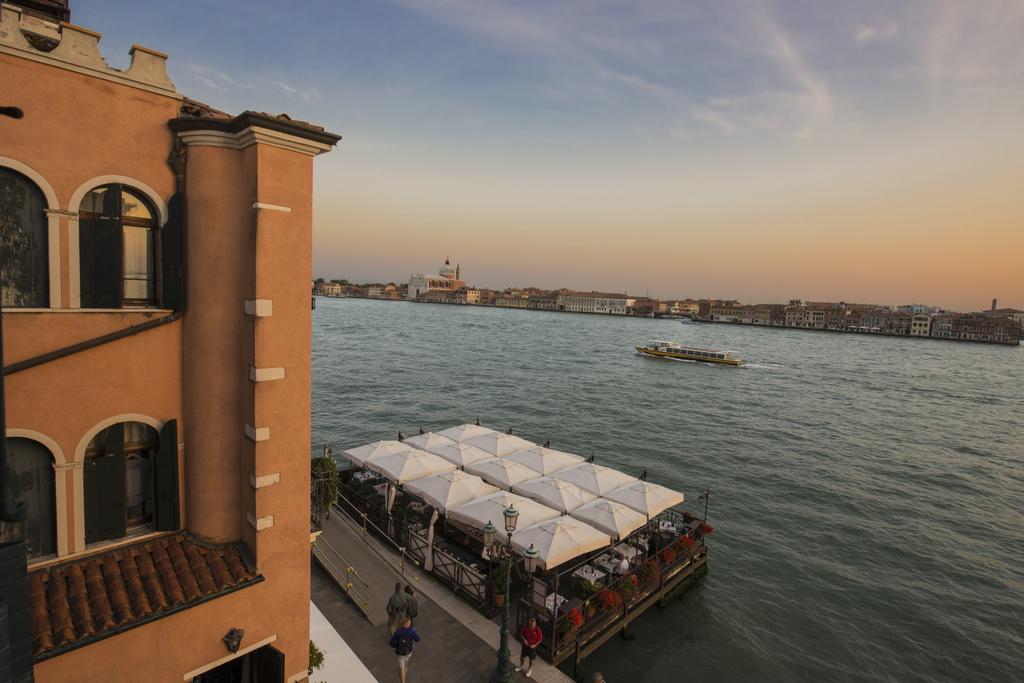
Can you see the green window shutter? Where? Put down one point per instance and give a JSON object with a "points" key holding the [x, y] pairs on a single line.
{"points": [[101, 254], [165, 479], [172, 254], [104, 490]]}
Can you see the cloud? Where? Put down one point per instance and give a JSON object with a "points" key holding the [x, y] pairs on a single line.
{"points": [[971, 47], [216, 79], [712, 117], [602, 54], [306, 94], [876, 33]]}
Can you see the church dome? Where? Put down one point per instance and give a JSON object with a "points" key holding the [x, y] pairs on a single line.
{"points": [[447, 270]]}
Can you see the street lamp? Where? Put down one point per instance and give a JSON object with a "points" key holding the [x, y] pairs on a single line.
{"points": [[503, 672]]}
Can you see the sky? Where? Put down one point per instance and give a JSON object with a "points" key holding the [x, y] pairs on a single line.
{"points": [[857, 151]]}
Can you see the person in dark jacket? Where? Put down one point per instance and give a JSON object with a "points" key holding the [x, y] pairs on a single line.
{"points": [[402, 641], [411, 606], [396, 608]]}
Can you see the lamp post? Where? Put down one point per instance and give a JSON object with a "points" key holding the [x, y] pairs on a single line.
{"points": [[503, 672]]}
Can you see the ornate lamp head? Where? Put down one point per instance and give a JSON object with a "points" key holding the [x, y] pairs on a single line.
{"points": [[511, 517], [530, 557], [489, 531]]}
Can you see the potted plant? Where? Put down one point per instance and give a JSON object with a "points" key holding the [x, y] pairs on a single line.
{"points": [[649, 570], [587, 591], [609, 599], [316, 658], [627, 587], [572, 620], [499, 575]]}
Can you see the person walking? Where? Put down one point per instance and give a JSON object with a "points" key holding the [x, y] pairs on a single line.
{"points": [[402, 641], [530, 636], [398, 605], [411, 608]]}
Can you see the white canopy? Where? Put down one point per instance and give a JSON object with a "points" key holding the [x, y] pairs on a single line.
{"points": [[614, 519], [466, 431], [559, 540], [645, 497], [361, 455], [561, 495], [492, 509], [410, 465], [597, 479], [428, 441], [451, 489], [545, 460], [459, 452], [502, 472], [500, 444]]}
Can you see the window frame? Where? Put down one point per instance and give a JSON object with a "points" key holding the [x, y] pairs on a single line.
{"points": [[152, 224], [45, 297]]}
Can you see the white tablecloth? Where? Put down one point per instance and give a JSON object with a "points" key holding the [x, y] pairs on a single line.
{"points": [[588, 573], [550, 602]]}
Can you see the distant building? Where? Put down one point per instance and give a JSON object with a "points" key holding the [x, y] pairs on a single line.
{"points": [[684, 308], [595, 302], [447, 278], [329, 289], [644, 307], [900, 323], [921, 325], [511, 299], [542, 302], [756, 315], [727, 313], [1012, 313], [977, 327]]}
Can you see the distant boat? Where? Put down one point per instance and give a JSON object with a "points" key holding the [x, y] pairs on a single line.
{"points": [[667, 349], [689, 321]]}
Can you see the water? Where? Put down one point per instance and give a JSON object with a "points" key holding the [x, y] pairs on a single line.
{"points": [[867, 493]]}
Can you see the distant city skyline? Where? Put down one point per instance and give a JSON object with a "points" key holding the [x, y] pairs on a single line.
{"points": [[756, 151]]}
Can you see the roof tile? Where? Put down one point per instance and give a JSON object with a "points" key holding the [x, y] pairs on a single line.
{"points": [[75, 602]]}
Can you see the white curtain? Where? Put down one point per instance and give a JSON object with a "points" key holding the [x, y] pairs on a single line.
{"points": [[138, 279], [428, 560], [389, 499]]}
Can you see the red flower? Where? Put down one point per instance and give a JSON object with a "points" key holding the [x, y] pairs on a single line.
{"points": [[575, 617], [668, 555], [706, 528], [609, 599]]}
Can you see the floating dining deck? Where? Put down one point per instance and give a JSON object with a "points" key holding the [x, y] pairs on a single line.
{"points": [[582, 518]]}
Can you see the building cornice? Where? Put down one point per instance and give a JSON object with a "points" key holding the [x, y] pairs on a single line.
{"points": [[77, 49], [249, 128]]}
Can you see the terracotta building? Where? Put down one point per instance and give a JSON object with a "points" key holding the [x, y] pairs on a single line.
{"points": [[156, 319]]}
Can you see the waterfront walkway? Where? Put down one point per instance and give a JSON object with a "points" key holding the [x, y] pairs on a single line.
{"points": [[459, 643]]}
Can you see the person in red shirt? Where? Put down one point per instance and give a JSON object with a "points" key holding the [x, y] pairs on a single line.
{"points": [[531, 637]]}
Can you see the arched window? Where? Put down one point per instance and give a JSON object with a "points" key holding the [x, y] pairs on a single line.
{"points": [[130, 481], [24, 257], [34, 479], [117, 248]]}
